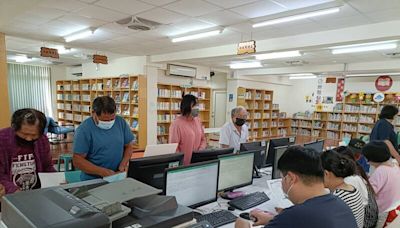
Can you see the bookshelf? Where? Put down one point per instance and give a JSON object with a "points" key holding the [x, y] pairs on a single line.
{"points": [[74, 101], [168, 106], [353, 118], [265, 120]]}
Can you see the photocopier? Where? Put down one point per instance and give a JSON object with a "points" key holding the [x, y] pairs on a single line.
{"points": [[126, 203]]}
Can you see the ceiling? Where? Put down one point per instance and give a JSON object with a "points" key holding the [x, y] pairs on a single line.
{"points": [[35, 23]]}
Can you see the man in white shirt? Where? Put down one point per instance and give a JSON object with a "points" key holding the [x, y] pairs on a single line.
{"points": [[236, 132]]}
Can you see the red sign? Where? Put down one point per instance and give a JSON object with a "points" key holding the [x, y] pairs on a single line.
{"points": [[100, 59], [49, 52], [383, 83], [340, 89]]}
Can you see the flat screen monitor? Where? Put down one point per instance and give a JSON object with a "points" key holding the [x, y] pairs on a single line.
{"points": [[317, 146], [276, 143], [160, 149], [150, 170], [260, 148], [193, 185], [235, 170], [278, 151], [211, 154]]}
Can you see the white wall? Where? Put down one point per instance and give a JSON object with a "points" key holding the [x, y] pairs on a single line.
{"points": [[128, 65], [367, 84]]}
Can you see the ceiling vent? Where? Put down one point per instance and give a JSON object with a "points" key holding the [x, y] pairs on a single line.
{"points": [[296, 63], [394, 55], [138, 23]]}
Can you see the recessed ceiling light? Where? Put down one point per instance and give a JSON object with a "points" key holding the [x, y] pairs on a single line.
{"points": [[245, 65], [278, 55], [197, 36]]}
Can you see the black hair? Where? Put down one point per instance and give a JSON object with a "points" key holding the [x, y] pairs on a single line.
{"points": [[187, 102], [304, 162], [348, 153], [376, 151], [104, 104], [338, 164], [28, 116], [388, 112]]}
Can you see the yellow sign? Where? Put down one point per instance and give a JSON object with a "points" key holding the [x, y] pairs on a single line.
{"points": [[246, 47]]}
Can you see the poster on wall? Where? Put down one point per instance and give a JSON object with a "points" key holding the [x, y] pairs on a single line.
{"points": [[318, 99], [340, 90], [383, 83]]}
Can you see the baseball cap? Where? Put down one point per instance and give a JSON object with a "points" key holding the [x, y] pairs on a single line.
{"points": [[356, 145]]}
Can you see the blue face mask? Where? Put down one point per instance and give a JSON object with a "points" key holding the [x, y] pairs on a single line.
{"points": [[105, 125]]}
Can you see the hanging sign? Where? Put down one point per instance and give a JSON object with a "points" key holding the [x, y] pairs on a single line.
{"points": [[379, 97], [340, 90], [100, 59], [246, 47], [49, 52], [383, 83]]}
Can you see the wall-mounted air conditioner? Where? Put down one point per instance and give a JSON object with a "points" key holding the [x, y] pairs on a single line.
{"points": [[181, 71]]}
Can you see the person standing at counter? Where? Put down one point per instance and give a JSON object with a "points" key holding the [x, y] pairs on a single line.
{"points": [[384, 129], [187, 130]]}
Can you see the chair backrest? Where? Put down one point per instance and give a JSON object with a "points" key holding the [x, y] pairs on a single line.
{"points": [[73, 176]]}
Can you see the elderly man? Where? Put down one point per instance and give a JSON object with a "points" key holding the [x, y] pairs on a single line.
{"points": [[236, 132]]}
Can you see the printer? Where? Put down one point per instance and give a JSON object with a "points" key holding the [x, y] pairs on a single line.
{"points": [[96, 203]]}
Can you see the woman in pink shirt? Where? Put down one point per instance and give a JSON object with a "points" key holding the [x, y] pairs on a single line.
{"points": [[384, 179], [187, 130]]}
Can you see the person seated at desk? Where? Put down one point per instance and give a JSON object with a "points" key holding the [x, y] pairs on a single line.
{"points": [[303, 183], [24, 151], [336, 169], [384, 179], [236, 132], [187, 130], [102, 143]]}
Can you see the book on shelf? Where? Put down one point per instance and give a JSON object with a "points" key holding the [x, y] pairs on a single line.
{"points": [[117, 98], [135, 85], [117, 84], [126, 110], [108, 84], [135, 125], [125, 98], [125, 83], [118, 110]]}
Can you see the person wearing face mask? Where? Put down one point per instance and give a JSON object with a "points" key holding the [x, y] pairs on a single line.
{"points": [[303, 183], [102, 143], [187, 130], [24, 151], [383, 128], [236, 132]]}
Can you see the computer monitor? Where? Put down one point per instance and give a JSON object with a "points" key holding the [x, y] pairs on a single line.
{"points": [[150, 170], [160, 149], [276, 143], [235, 170], [210, 154], [278, 151], [260, 148], [317, 146], [193, 185]]}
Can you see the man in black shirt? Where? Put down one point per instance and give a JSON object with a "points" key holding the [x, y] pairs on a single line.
{"points": [[303, 183]]}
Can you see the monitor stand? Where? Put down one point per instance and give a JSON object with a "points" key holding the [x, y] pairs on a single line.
{"points": [[256, 172]]}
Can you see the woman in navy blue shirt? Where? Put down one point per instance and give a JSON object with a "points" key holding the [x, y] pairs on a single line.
{"points": [[384, 129]]}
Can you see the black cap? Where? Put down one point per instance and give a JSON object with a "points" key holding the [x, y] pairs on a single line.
{"points": [[356, 145], [376, 151]]}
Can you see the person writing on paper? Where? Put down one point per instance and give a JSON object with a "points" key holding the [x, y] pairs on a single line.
{"points": [[236, 132], [24, 151], [383, 128], [303, 183], [102, 143], [187, 130]]}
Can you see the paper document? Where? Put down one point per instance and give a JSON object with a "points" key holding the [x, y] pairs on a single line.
{"points": [[52, 179], [115, 177]]}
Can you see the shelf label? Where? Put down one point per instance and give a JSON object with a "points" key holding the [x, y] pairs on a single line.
{"points": [[379, 97]]}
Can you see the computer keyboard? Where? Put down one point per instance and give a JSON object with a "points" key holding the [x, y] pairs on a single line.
{"points": [[218, 218], [249, 201]]}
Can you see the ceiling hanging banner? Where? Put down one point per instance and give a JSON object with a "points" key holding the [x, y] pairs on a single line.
{"points": [[246, 47], [340, 89]]}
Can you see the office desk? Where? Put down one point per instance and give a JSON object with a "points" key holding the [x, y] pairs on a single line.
{"points": [[271, 187]]}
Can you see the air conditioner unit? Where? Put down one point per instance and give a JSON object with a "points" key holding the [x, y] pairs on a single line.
{"points": [[181, 71]]}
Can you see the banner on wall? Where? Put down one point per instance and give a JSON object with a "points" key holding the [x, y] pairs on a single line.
{"points": [[383, 83], [340, 89]]}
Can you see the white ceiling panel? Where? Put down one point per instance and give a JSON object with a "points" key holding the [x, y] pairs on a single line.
{"points": [[192, 8], [259, 9], [226, 4], [296, 4], [83, 21], [162, 16], [223, 18], [118, 29], [69, 6], [384, 15], [64, 28], [88, 1], [191, 25], [341, 22], [100, 13], [366, 6], [46, 13], [130, 7], [158, 2]]}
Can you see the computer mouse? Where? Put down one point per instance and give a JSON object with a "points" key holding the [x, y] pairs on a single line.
{"points": [[246, 215], [230, 208]]}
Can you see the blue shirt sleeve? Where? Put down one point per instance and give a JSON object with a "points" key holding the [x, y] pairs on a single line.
{"points": [[128, 136], [81, 140]]}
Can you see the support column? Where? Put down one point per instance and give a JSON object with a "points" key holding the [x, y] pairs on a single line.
{"points": [[4, 100]]}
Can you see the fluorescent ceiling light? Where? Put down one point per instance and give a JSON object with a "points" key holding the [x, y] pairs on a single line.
{"points": [[364, 48], [302, 77], [245, 65], [297, 17], [278, 55], [197, 36], [79, 35], [63, 50], [301, 74], [372, 74], [22, 59]]}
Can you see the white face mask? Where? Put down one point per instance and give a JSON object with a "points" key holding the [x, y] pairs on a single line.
{"points": [[106, 125], [286, 194]]}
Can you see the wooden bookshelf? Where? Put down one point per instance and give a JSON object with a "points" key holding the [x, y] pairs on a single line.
{"points": [[265, 120], [168, 106], [74, 101], [353, 118]]}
